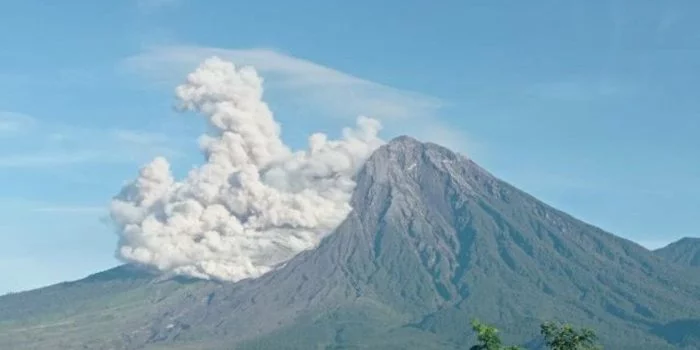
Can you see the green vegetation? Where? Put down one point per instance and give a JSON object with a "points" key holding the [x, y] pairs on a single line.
{"points": [[488, 338], [556, 337], [565, 337]]}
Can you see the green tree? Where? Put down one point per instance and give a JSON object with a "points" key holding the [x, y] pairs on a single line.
{"points": [[488, 338], [565, 337]]}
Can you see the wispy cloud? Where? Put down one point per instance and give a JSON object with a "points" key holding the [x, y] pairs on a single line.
{"points": [[12, 123], [46, 144], [46, 158], [70, 209], [339, 94], [330, 93], [40, 206]]}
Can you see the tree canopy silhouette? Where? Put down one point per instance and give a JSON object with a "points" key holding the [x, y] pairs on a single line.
{"points": [[488, 338], [556, 337], [565, 337]]}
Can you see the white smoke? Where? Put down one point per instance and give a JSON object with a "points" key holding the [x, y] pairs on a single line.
{"points": [[254, 203]]}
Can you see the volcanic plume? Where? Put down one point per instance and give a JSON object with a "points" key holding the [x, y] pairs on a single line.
{"points": [[254, 203]]}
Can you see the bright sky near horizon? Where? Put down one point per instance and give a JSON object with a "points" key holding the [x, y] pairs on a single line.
{"points": [[590, 106]]}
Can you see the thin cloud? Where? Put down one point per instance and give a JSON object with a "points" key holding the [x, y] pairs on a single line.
{"points": [[51, 145], [11, 123], [69, 209], [39, 206], [310, 85], [335, 92], [45, 159]]}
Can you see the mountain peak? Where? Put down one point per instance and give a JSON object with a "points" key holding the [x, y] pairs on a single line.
{"points": [[402, 147], [406, 143], [684, 242], [694, 240], [432, 242], [403, 156], [685, 251], [404, 139]]}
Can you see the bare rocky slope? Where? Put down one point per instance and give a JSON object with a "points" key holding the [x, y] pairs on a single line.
{"points": [[433, 242]]}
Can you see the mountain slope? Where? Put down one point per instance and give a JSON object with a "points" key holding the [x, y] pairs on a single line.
{"points": [[433, 241], [93, 313], [685, 251]]}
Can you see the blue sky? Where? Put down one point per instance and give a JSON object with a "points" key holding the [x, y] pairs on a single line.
{"points": [[590, 106]]}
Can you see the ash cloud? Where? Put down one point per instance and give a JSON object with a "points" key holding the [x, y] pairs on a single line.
{"points": [[254, 203]]}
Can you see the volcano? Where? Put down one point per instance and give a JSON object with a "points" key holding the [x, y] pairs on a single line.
{"points": [[433, 242]]}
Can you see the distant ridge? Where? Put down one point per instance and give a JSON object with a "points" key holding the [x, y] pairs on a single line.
{"points": [[685, 251]]}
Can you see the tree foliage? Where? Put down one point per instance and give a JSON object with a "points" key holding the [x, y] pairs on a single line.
{"points": [[556, 337], [565, 337], [488, 338]]}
